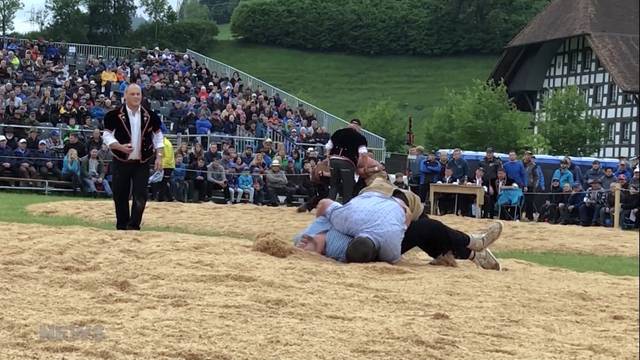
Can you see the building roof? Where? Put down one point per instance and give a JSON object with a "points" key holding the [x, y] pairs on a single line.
{"points": [[611, 27]]}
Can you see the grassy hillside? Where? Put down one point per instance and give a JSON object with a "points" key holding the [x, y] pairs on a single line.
{"points": [[346, 84]]}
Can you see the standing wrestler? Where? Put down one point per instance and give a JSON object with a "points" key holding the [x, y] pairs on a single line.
{"points": [[134, 136], [345, 147]]}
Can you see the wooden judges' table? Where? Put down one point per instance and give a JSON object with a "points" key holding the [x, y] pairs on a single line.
{"points": [[476, 190]]}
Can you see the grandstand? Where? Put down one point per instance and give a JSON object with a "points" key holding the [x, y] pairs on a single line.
{"points": [[58, 88]]}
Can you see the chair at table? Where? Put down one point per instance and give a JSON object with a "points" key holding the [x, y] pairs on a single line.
{"points": [[510, 203]]}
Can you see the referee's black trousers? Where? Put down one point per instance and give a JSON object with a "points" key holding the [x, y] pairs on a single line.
{"points": [[129, 179]]}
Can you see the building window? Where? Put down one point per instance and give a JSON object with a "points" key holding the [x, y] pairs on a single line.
{"points": [[597, 94], [573, 61], [612, 96], [598, 64], [626, 131], [611, 132], [627, 98], [586, 60]]}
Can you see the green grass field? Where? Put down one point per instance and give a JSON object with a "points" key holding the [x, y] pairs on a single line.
{"points": [[13, 209], [346, 84]]}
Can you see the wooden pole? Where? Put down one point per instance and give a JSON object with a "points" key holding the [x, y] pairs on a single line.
{"points": [[616, 207]]}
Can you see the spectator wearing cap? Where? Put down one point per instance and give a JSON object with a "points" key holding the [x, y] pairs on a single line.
{"points": [[622, 169], [12, 141], [635, 180], [563, 174], [267, 148], [23, 161], [594, 173], [589, 209], [549, 210], [490, 163], [345, 147], [515, 170], [429, 174], [6, 158], [569, 213], [416, 158], [276, 181], [47, 167]]}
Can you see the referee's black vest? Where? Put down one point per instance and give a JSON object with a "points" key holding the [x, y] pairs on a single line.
{"points": [[117, 121]]}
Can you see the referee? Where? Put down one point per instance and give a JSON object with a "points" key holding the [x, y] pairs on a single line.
{"points": [[345, 147], [134, 136]]}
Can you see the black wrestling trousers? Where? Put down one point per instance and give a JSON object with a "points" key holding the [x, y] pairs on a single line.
{"points": [[129, 178], [342, 179], [435, 238]]}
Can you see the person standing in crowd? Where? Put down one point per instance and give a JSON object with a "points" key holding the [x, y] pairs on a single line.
{"points": [[162, 190], [594, 173], [459, 166], [345, 148], [491, 164], [134, 136], [575, 170], [563, 174], [443, 159], [535, 183], [515, 170], [608, 177], [429, 173], [416, 159]]}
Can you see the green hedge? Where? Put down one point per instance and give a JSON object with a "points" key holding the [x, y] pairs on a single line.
{"points": [[425, 27], [192, 34]]}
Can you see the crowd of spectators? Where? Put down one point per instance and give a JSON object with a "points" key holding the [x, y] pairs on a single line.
{"points": [[517, 189], [44, 86]]}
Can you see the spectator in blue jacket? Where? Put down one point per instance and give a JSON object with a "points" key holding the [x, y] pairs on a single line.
{"points": [[203, 124], [429, 173], [178, 183], [515, 170], [245, 185], [71, 169], [459, 166], [575, 170], [622, 169], [563, 174]]}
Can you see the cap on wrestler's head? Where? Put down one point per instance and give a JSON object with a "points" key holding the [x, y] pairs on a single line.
{"points": [[361, 250]]}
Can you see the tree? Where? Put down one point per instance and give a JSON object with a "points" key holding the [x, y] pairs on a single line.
{"points": [[68, 22], [193, 10], [39, 17], [112, 20], [158, 11], [8, 9], [220, 10], [384, 119], [479, 116], [566, 125]]}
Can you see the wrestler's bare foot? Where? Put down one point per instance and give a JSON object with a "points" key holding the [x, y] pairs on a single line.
{"points": [[322, 207], [482, 241]]}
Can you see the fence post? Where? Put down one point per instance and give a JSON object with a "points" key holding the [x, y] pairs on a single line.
{"points": [[616, 207]]}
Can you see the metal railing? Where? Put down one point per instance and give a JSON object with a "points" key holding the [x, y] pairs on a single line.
{"points": [[330, 121], [83, 49]]}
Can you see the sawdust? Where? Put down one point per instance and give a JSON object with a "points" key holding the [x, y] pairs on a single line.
{"points": [[249, 221], [172, 296]]}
